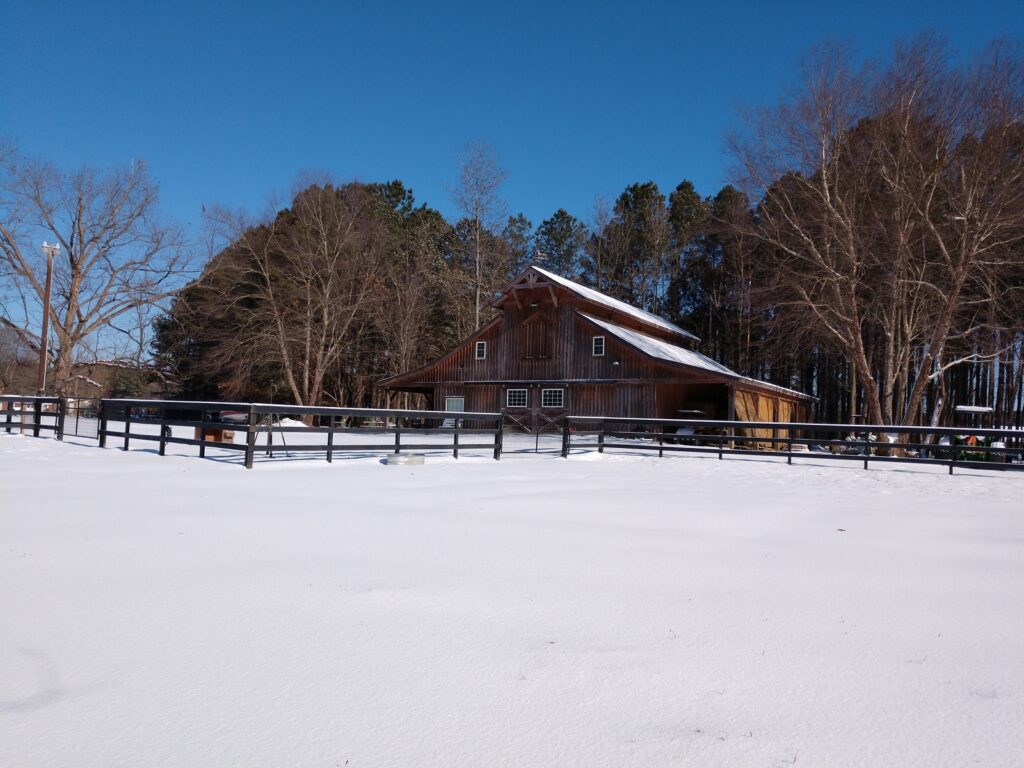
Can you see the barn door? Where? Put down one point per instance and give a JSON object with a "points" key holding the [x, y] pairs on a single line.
{"points": [[535, 426]]}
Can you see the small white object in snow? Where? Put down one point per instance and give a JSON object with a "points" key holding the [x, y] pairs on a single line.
{"points": [[406, 458]]}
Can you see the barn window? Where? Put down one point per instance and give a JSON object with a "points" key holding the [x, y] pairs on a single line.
{"points": [[515, 398], [598, 346], [481, 350], [552, 398]]}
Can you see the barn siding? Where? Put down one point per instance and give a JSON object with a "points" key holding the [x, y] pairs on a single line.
{"points": [[542, 341]]}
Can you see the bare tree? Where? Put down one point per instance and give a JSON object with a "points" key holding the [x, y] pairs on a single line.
{"points": [[891, 196], [117, 259], [295, 288], [476, 195], [15, 362], [595, 266]]}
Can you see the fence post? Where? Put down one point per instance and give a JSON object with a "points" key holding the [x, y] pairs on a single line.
{"points": [[455, 444], [600, 439], [250, 439], [721, 445], [163, 430], [127, 425], [202, 434], [789, 449], [867, 449], [565, 438], [499, 433], [330, 439], [10, 414], [398, 438], [37, 410], [103, 424], [62, 408], [661, 443]]}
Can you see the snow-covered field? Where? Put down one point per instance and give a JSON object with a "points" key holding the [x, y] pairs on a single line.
{"points": [[538, 611]]}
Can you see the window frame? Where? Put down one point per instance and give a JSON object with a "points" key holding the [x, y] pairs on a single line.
{"points": [[561, 397], [480, 346], [525, 393], [593, 346]]}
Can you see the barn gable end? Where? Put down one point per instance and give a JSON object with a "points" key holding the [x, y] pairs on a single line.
{"points": [[560, 347]]}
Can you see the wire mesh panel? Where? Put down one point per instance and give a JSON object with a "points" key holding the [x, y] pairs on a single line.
{"points": [[82, 417], [532, 431]]}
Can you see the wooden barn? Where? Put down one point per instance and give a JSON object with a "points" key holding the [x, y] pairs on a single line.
{"points": [[558, 348]]}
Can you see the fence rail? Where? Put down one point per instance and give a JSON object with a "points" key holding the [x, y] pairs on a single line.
{"points": [[254, 419], [983, 448], [28, 413], [407, 430]]}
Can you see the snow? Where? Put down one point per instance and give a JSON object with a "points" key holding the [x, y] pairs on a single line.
{"points": [[662, 349], [673, 354], [601, 610], [775, 387], [619, 306]]}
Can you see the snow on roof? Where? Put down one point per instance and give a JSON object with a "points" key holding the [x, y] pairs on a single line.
{"points": [[662, 349], [620, 306], [973, 409], [776, 388], [673, 354]]}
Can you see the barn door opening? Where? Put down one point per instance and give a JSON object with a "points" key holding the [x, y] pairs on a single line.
{"points": [[457, 404], [533, 427]]}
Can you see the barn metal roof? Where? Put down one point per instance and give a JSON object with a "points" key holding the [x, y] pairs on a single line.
{"points": [[619, 306], [663, 350]]}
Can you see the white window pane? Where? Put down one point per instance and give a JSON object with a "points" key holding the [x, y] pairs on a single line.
{"points": [[552, 398], [515, 398]]}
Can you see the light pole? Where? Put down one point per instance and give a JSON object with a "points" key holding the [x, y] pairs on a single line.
{"points": [[49, 250]]}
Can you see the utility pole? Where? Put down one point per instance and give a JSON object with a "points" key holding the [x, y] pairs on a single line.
{"points": [[49, 250]]}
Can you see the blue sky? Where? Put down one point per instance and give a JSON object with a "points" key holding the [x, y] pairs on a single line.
{"points": [[230, 102]]}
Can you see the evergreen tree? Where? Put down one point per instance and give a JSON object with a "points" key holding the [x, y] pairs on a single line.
{"points": [[561, 241]]}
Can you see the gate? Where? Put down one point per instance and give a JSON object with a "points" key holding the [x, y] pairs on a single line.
{"points": [[532, 431], [82, 417]]}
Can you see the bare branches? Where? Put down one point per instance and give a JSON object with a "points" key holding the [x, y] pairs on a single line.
{"points": [[117, 257], [476, 195], [287, 293], [891, 204]]}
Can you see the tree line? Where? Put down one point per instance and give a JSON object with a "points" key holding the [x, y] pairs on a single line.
{"points": [[118, 262], [869, 252]]}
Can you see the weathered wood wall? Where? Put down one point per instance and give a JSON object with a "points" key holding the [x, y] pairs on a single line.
{"points": [[541, 341]]}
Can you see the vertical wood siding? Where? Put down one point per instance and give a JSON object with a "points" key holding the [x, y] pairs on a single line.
{"points": [[542, 342]]}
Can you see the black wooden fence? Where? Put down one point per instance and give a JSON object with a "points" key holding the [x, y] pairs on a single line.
{"points": [[467, 431], [25, 413], [407, 430], [948, 446]]}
